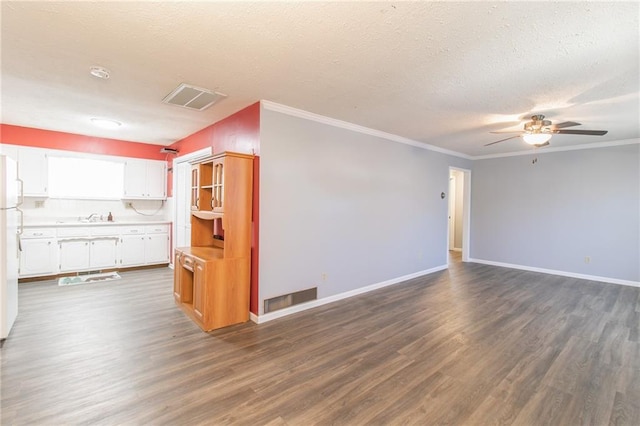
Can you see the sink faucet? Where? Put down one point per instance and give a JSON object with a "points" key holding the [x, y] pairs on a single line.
{"points": [[91, 217]]}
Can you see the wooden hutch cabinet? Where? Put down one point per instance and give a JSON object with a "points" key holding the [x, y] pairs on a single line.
{"points": [[212, 277]]}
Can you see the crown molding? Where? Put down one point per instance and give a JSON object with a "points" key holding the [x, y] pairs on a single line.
{"points": [[295, 112], [284, 109], [560, 149]]}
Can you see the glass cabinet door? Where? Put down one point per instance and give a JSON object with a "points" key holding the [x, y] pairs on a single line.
{"points": [[195, 192]]}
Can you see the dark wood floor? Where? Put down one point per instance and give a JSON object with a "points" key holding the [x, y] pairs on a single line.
{"points": [[472, 345]]}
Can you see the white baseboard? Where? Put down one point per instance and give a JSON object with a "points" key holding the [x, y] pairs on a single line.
{"points": [[259, 319], [561, 273]]}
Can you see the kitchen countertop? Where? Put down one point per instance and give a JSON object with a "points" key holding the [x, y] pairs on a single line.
{"points": [[74, 223]]}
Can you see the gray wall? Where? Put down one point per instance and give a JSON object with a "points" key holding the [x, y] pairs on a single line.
{"points": [[358, 208], [554, 213]]}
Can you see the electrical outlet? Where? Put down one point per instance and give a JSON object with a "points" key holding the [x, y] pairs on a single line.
{"points": [[587, 259], [129, 205], [324, 277]]}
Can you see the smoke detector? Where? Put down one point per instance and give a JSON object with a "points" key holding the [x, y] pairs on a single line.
{"points": [[192, 97], [99, 72]]}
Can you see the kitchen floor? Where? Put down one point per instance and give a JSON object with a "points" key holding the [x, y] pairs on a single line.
{"points": [[474, 344]]}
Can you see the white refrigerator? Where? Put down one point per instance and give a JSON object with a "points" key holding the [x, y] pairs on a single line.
{"points": [[10, 229]]}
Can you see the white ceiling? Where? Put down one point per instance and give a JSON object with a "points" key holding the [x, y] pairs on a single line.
{"points": [[441, 73]]}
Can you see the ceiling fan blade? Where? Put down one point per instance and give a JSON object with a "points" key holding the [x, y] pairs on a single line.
{"points": [[540, 145], [565, 124], [502, 140], [581, 132], [507, 131]]}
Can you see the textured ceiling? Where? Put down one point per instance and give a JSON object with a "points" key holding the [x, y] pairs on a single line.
{"points": [[441, 73]]}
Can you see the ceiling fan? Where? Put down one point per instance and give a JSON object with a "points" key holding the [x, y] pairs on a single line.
{"points": [[538, 131]]}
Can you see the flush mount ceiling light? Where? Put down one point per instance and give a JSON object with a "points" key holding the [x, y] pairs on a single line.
{"points": [[99, 72], [536, 138], [106, 123]]}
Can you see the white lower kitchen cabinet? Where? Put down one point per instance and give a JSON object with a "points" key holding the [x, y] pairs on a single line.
{"points": [[156, 248], [74, 255], [38, 257], [103, 253], [66, 249], [132, 250]]}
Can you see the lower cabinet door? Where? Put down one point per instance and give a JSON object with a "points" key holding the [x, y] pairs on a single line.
{"points": [[103, 253], [132, 250], [38, 257], [74, 256], [156, 248], [199, 289]]}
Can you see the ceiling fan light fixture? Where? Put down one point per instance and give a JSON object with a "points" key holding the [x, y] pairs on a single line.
{"points": [[536, 138]]}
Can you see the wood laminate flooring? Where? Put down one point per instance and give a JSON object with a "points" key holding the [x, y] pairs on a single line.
{"points": [[471, 345]]}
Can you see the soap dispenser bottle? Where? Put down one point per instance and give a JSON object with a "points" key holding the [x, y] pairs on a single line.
{"points": [[110, 217]]}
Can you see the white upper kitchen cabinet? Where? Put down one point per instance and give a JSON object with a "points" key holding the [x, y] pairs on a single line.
{"points": [[9, 150], [33, 170], [145, 179]]}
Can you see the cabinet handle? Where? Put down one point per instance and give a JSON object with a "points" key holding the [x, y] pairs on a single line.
{"points": [[49, 243], [37, 234]]}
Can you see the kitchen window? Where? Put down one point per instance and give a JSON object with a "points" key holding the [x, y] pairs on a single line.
{"points": [[87, 178]]}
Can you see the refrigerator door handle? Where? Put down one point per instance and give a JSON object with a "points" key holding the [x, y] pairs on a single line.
{"points": [[21, 193], [21, 228]]}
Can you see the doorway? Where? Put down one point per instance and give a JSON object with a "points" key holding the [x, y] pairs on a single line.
{"points": [[459, 214], [181, 196]]}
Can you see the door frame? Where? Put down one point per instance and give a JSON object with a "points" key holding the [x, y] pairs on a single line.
{"points": [[451, 205], [466, 211], [190, 157]]}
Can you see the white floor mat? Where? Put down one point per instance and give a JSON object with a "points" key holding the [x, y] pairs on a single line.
{"points": [[87, 279]]}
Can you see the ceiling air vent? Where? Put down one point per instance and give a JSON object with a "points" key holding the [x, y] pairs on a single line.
{"points": [[193, 97]]}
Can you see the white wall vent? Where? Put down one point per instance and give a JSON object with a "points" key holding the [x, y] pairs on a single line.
{"points": [[193, 97]]}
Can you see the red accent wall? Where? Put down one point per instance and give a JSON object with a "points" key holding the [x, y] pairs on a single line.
{"points": [[239, 132], [40, 138]]}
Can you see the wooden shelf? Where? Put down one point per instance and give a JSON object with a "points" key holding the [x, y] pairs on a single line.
{"points": [[201, 214]]}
